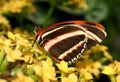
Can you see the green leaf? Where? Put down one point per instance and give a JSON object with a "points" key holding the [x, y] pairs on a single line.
{"points": [[39, 16], [30, 71], [98, 13], [3, 65], [2, 56], [16, 69]]}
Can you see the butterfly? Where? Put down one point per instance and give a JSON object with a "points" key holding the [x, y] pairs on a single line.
{"points": [[68, 40]]}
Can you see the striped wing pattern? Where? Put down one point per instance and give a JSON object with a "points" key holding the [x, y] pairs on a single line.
{"points": [[67, 42]]}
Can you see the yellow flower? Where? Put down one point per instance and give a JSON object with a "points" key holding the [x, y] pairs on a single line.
{"points": [[109, 70], [113, 70], [98, 48], [39, 50], [71, 78], [79, 3], [22, 41], [11, 35], [90, 66], [48, 71], [3, 20], [45, 70], [118, 78], [82, 4], [22, 78], [102, 48], [13, 55], [95, 50], [3, 80], [4, 42], [86, 54], [63, 66], [27, 56], [86, 74], [38, 69], [117, 67], [95, 68], [4, 23]]}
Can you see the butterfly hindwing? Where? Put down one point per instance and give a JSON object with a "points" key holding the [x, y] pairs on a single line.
{"points": [[68, 40]]}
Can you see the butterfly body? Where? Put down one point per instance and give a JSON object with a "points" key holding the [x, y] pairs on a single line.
{"points": [[68, 40]]}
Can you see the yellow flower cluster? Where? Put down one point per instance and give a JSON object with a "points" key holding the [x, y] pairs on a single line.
{"points": [[29, 63], [12, 45], [12, 6], [16, 47], [90, 65]]}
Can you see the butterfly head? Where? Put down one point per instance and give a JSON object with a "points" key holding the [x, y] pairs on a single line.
{"points": [[38, 31]]}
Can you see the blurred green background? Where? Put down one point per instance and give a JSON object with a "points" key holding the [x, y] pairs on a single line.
{"points": [[26, 14]]}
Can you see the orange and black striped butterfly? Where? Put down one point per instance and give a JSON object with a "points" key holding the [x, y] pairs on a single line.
{"points": [[68, 40]]}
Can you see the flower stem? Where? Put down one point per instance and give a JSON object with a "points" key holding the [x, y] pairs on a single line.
{"points": [[50, 11], [112, 78]]}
